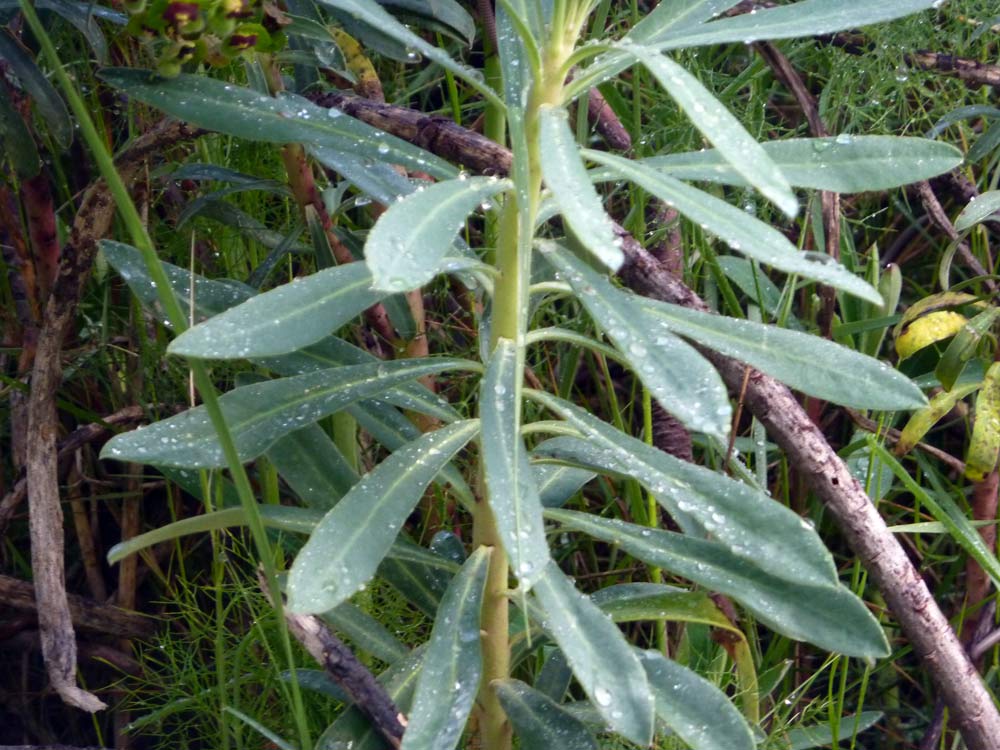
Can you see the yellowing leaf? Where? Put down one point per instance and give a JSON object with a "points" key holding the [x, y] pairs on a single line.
{"points": [[928, 329], [985, 446], [924, 419]]}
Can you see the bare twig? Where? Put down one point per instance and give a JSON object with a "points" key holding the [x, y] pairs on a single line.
{"points": [[344, 668], [941, 220], [774, 405]]}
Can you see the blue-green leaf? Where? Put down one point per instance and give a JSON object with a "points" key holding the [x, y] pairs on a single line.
{"points": [[829, 616], [347, 546], [366, 632], [449, 679], [842, 164], [374, 16], [719, 126], [245, 113], [747, 522], [740, 231], [284, 319], [807, 18], [682, 380], [405, 248], [807, 363], [603, 662], [313, 467], [750, 524], [573, 192], [979, 209], [539, 722], [257, 415], [513, 495], [695, 709]]}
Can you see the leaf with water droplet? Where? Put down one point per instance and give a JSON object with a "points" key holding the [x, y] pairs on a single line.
{"points": [[405, 248], [513, 495], [347, 546], [599, 655], [452, 666]]}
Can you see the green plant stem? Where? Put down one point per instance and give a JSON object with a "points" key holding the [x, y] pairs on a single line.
{"points": [[515, 232], [653, 517], [175, 314]]}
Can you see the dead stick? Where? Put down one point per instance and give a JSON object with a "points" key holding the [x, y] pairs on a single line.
{"points": [[93, 221], [350, 674], [774, 405]]}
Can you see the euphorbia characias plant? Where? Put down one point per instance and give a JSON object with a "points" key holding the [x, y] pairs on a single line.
{"points": [[510, 600]]}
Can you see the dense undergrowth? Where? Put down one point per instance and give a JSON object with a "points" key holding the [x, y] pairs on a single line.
{"points": [[214, 673]]}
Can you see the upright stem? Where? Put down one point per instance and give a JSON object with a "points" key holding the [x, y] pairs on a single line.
{"points": [[515, 234]]}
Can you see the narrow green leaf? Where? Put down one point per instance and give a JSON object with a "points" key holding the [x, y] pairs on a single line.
{"points": [[821, 735], [513, 496], [374, 16], [807, 363], [313, 467], [695, 709], [446, 12], [740, 231], [405, 248], [284, 319], [539, 722], [51, 108], [366, 632], [829, 616], [574, 194], [752, 526], [17, 143], [841, 164], [259, 414], [245, 113], [603, 662], [719, 126], [679, 14], [449, 679], [807, 18], [347, 546], [282, 517], [682, 380], [979, 209], [557, 484]]}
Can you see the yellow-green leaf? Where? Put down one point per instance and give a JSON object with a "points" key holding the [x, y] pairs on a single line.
{"points": [[924, 419], [928, 329], [985, 445]]}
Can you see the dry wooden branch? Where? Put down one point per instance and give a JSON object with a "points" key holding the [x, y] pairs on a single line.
{"points": [[773, 404], [344, 669], [93, 221]]}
